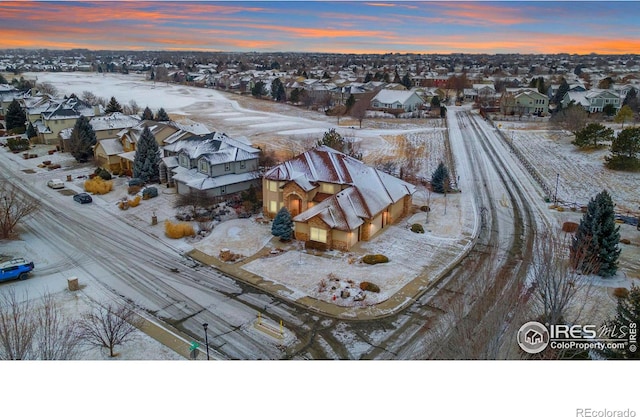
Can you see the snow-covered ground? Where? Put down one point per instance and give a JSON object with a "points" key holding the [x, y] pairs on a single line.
{"points": [[410, 254]]}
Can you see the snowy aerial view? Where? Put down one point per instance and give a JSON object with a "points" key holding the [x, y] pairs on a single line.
{"points": [[293, 191]]}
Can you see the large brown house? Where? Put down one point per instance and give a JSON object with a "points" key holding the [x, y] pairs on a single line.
{"points": [[336, 200]]}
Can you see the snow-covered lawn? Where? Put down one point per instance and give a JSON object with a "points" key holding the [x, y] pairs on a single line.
{"points": [[580, 175]]}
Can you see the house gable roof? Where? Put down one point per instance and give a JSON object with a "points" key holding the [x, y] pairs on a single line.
{"points": [[370, 191]]}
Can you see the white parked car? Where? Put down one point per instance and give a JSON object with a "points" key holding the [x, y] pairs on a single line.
{"points": [[55, 184]]}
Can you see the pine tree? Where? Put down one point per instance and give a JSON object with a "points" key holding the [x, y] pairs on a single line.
{"points": [[31, 131], [147, 114], [162, 115], [440, 179], [594, 248], [592, 135], [82, 140], [113, 106], [147, 158], [627, 312], [282, 225], [15, 118]]}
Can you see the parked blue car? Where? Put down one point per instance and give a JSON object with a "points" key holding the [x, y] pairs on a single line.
{"points": [[17, 268]]}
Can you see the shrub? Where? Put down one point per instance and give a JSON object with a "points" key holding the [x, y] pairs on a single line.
{"points": [[134, 189], [417, 228], [103, 173], [621, 292], [375, 259], [178, 230], [135, 202], [18, 144], [369, 286], [97, 185], [569, 227]]}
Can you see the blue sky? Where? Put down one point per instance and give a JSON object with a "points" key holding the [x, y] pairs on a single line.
{"points": [[320, 26]]}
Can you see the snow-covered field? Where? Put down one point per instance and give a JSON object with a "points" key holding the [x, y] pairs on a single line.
{"points": [[580, 175]]}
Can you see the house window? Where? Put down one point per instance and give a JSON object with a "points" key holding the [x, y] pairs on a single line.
{"points": [[318, 235], [203, 166], [273, 186], [273, 206], [184, 161], [227, 167], [243, 164]]}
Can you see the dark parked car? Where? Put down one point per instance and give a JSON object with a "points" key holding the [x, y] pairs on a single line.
{"points": [[83, 198], [15, 268]]}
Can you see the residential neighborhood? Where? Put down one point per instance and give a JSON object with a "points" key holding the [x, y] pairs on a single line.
{"points": [[372, 190]]}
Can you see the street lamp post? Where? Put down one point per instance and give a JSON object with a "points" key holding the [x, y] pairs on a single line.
{"points": [[555, 194], [206, 338]]}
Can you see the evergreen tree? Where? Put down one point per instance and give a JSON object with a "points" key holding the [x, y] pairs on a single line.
{"points": [[113, 106], [15, 118], [350, 102], [31, 131], [162, 115], [368, 77], [283, 225], [406, 81], [82, 140], [295, 95], [627, 312], [632, 100], [147, 114], [592, 135], [147, 158], [627, 143], [333, 140], [440, 179], [560, 93], [277, 90], [435, 102], [594, 248], [258, 89]]}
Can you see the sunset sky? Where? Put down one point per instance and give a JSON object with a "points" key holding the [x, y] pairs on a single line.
{"points": [[321, 26]]}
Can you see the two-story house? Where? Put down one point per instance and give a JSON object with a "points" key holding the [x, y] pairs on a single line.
{"points": [[336, 200], [524, 101], [594, 100], [214, 163], [60, 115]]}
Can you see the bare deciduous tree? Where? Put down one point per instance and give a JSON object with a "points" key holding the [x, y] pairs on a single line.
{"points": [[89, 97], [47, 88], [109, 327], [30, 330], [195, 200], [359, 108], [14, 206], [56, 337], [573, 118], [17, 327], [556, 283]]}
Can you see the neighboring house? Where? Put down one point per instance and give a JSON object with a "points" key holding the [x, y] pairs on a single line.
{"points": [[396, 100], [524, 101], [594, 100], [336, 200], [59, 115], [480, 92], [7, 94], [108, 126], [107, 154], [213, 163]]}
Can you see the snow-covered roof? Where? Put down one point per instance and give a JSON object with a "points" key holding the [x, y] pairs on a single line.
{"points": [[113, 121], [111, 146], [393, 96], [216, 147], [197, 180], [371, 190]]}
